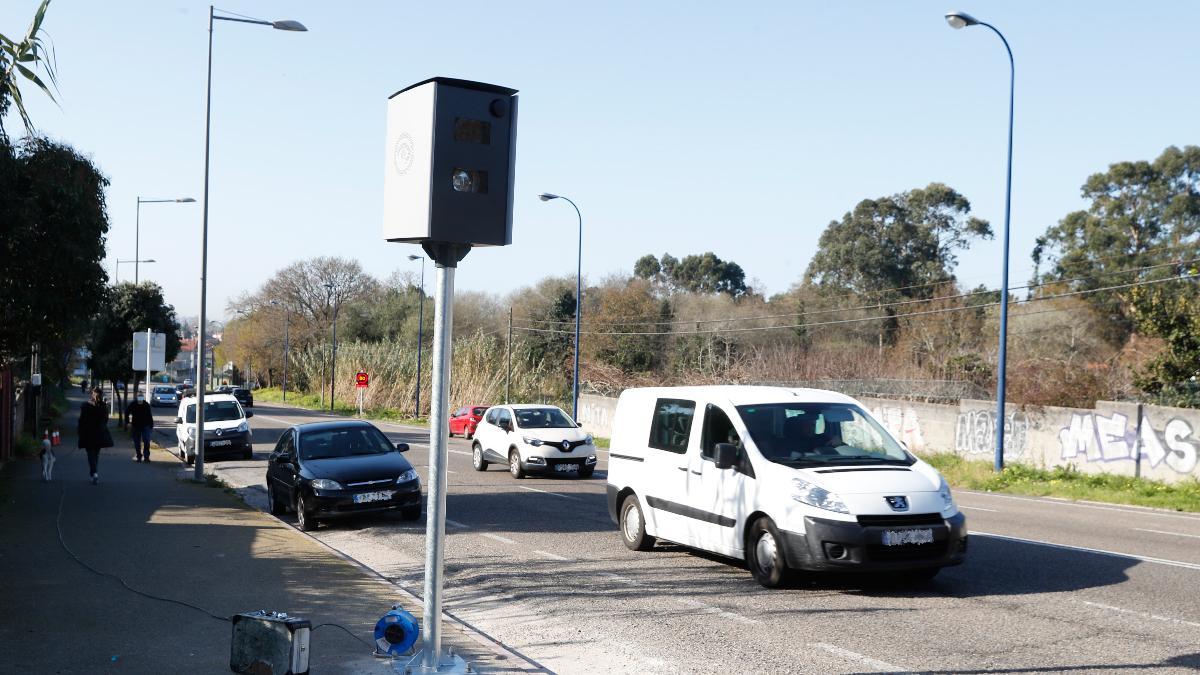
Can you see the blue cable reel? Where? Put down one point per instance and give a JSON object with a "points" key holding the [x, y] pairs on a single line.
{"points": [[396, 632]]}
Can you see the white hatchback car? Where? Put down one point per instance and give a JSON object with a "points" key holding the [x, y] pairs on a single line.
{"points": [[533, 439], [782, 478]]}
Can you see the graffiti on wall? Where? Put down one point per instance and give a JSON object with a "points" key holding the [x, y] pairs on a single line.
{"points": [[903, 424], [597, 415], [975, 433], [1096, 438]]}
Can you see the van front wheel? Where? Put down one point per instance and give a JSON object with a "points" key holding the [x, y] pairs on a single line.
{"points": [[633, 526], [764, 554]]}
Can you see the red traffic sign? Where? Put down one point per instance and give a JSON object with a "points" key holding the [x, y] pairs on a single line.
{"points": [[361, 380]]}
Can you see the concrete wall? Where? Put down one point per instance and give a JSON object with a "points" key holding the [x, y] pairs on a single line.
{"points": [[1104, 439]]}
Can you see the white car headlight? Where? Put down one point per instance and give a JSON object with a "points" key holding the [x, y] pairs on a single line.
{"points": [[405, 477], [819, 497], [948, 506], [535, 442], [326, 484], [589, 440]]}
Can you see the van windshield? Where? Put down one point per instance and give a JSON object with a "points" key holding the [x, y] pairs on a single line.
{"points": [[806, 435], [216, 411]]}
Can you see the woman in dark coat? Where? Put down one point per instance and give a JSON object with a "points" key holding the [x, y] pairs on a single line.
{"points": [[93, 430]]}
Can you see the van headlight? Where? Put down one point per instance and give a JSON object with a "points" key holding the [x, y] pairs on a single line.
{"points": [[819, 497], [244, 427], [407, 476], [191, 431], [535, 442], [326, 484], [948, 507]]}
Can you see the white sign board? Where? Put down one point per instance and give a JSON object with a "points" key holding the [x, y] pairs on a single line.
{"points": [[158, 351]]}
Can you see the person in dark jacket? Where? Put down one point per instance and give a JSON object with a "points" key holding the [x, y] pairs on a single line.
{"points": [[93, 430], [141, 418]]}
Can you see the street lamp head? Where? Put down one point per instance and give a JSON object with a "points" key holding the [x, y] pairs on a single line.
{"points": [[960, 20], [151, 260], [546, 196], [185, 200], [288, 24], [415, 257]]}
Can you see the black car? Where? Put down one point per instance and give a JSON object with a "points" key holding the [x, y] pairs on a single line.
{"points": [[244, 396], [331, 469]]}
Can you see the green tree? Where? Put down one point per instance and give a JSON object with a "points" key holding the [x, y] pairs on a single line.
{"points": [[19, 60], [647, 267], [129, 308], [1140, 214], [704, 273], [619, 300], [1175, 317], [896, 247]]}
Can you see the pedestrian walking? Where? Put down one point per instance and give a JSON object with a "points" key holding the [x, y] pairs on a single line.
{"points": [[47, 457], [141, 418], [93, 430]]}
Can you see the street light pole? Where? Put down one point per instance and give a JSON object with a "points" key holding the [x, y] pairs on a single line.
{"points": [[278, 25], [137, 226], [420, 334], [962, 20], [546, 196]]}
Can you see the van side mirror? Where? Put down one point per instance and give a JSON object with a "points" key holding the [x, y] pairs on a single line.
{"points": [[402, 447], [249, 414], [178, 420], [725, 455], [579, 424]]}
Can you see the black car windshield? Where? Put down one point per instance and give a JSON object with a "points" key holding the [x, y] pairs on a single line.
{"points": [[820, 434], [542, 418], [478, 411], [216, 411], [343, 442]]}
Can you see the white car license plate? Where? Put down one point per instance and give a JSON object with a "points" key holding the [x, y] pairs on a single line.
{"points": [[904, 537], [213, 444], [365, 497], [566, 468]]}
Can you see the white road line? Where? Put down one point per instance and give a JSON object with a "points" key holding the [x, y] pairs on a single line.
{"points": [[1148, 615], [459, 452], [618, 577], [978, 508], [725, 614], [455, 523], [1134, 510], [1174, 534], [1115, 554], [552, 556], [860, 658], [496, 537], [552, 494]]}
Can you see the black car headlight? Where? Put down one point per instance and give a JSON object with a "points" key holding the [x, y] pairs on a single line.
{"points": [[407, 476]]}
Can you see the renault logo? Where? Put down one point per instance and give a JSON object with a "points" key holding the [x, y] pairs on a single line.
{"points": [[898, 503], [566, 445], [219, 432]]}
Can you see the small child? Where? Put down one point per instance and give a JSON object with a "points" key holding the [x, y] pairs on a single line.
{"points": [[47, 458]]}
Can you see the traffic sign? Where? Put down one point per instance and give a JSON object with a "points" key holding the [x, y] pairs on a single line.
{"points": [[361, 379]]}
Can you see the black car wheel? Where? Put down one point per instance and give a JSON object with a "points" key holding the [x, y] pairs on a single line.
{"points": [[477, 459], [308, 522], [274, 507]]}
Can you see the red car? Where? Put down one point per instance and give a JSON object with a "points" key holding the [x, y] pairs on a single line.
{"points": [[465, 419]]}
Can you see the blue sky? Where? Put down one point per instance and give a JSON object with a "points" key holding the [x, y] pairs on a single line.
{"points": [[740, 128]]}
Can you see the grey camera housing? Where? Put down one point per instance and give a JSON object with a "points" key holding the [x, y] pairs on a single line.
{"points": [[451, 154]]}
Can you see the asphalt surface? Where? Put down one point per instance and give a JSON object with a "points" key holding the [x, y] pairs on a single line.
{"points": [[1050, 586]]}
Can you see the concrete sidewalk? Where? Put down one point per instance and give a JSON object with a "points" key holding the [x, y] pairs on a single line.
{"points": [[180, 540]]}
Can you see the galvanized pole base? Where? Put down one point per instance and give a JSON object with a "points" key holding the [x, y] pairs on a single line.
{"points": [[448, 663]]}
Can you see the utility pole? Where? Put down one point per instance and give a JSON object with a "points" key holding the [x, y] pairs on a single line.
{"points": [[508, 375]]}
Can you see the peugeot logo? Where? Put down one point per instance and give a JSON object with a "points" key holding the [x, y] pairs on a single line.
{"points": [[566, 445], [898, 503], [219, 432]]}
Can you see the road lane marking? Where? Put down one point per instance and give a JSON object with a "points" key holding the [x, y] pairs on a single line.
{"points": [[1174, 534], [725, 614], [860, 658], [455, 523], [496, 537], [1135, 510], [1148, 615], [1115, 554], [552, 556], [552, 494], [618, 577], [978, 508]]}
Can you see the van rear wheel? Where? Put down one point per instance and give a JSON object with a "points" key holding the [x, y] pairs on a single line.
{"points": [[633, 526], [764, 554]]}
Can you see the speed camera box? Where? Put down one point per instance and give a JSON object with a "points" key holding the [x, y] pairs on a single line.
{"points": [[451, 150]]}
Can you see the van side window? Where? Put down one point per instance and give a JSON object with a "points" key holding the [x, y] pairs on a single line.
{"points": [[717, 429], [672, 424]]}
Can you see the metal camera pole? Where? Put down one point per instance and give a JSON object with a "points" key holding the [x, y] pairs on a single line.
{"points": [[445, 257]]}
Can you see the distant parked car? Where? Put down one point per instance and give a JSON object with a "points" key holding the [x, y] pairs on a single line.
{"points": [[331, 469], [533, 439], [244, 396], [464, 420], [164, 395]]}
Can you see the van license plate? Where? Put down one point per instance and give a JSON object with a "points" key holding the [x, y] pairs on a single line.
{"points": [[371, 497], [905, 537], [213, 444], [566, 468]]}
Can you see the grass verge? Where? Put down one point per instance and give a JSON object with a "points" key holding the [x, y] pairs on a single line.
{"points": [[313, 402], [1068, 483]]}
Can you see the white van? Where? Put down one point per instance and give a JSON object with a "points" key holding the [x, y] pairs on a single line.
{"points": [[782, 478], [226, 428]]}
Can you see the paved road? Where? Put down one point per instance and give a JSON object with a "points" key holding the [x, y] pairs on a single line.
{"points": [[1050, 586]]}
